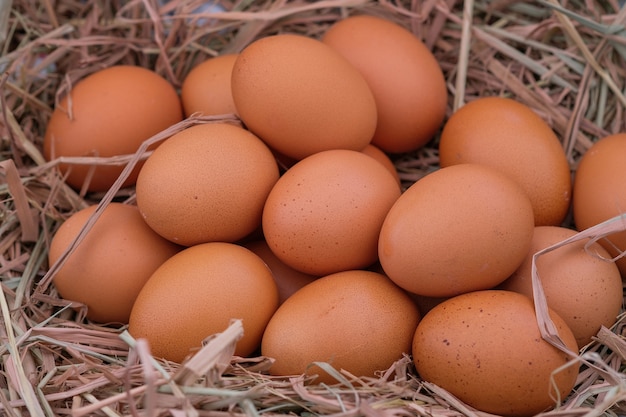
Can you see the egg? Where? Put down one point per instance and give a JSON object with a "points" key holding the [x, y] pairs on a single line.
{"points": [[376, 153], [510, 137], [357, 321], [288, 280], [302, 97], [110, 112], [581, 287], [196, 293], [206, 183], [206, 89], [486, 349], [461, 228], [324, 214], [111, 264], [405, 77], [600, 191]]}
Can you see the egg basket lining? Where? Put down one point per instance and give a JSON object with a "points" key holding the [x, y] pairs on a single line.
{"points": [[563, 59]]}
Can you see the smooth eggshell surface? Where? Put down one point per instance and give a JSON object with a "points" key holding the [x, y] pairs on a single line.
{"points": [[301, 97], [288, 280], [485, 348], [324, 214], [206, 89], [462, 228], [207, 183], [510, 137], [197, 293], [358, 321], [412, 102], [382, 157], [600, 191], [584, 289], [109, 267], [110, 112]]}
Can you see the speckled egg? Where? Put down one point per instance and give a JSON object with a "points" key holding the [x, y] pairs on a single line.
{"points": [[324, 214], [485, 348], [301, 97], [510, 137], [110, 112], [109, 267], [600, 191], [207, 183], [407, 82], [357, 321], [461, 228], [580, 284], [197, 293]]}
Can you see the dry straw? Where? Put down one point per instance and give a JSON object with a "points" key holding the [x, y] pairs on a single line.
{"points": [[566, 60]]}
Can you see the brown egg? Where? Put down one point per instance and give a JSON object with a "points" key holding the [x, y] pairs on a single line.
{"points": [[301, 97], [600, 191], [376, 153], [110, 266], [485, 348], [111, 112], [288, 280], [357, 321], [324, 214], [206, 89], [580, 287], [462, 228], [510, 137], [407, 82], [207, 183], [196, 294]]}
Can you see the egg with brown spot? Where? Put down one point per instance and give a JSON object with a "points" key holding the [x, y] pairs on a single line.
{"points": [[206, 183], [580, 282], [485, 348], [324, 214]]}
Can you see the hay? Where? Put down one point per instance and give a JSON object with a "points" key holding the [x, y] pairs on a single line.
{"points": [[566, 60]]}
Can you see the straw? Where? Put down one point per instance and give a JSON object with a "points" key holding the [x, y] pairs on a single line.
{"points": [[565, 60]]}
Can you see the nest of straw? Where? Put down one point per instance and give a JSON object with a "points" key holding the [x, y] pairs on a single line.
{"points": [[566, 60]]}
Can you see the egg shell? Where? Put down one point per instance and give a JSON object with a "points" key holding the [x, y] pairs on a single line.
{"points": [[324, 214], [207, 183], [111, 264], [510, 137], [378, 154], [462, 228], [580, 285], [486, 349], [412, 103], [358, 321], [206, 89], [302, 97], [110, 112], [288, 280], [197, 292], [600, 191]]}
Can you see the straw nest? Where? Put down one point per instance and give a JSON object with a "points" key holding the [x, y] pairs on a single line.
{"points": [[566, 60]]}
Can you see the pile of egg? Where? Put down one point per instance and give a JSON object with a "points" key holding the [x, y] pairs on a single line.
{"points": [[295, 220]]}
